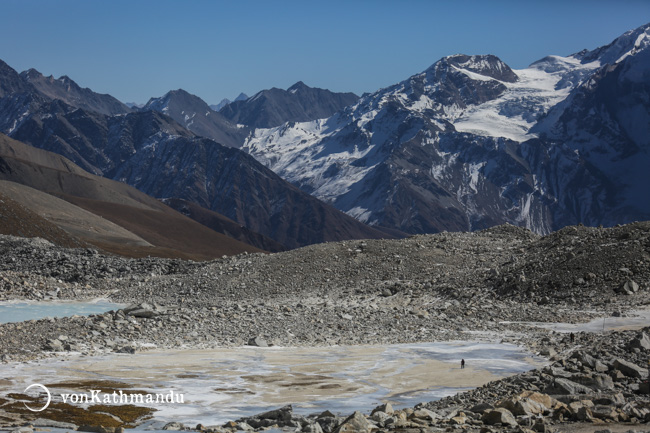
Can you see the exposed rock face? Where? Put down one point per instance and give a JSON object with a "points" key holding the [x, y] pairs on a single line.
{"points": [[195, 114], [299, 103], [68, 91]]}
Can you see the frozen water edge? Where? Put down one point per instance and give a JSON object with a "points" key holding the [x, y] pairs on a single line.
{"points": [[19, 311], [635, 320], [227, 384]]}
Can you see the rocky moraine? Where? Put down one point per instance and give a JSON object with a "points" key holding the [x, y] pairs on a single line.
{"points": [[426, 288]]}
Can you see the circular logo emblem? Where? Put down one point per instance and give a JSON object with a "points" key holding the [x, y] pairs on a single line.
{"points": [[47, 391]]}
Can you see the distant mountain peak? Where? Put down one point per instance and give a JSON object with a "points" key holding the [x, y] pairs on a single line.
{"points": [[225, 101], [487, 65], [629, 43], [299, 103], [298, 86], [66, 89], [241, 97], [196, 115], [31, 73]]}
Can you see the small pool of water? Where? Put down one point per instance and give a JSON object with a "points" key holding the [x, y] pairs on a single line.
{"points": [[21, 311]]}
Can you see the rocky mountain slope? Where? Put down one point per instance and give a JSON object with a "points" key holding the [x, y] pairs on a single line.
{"points": [[471, 143], [72, 94], [19, 220], [102, 212], [194, 114], [299, 103], [152, 152], [221, 224]]}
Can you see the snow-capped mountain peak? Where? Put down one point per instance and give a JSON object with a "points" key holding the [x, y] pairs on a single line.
{"points": [[629, 43], [469, 142]]}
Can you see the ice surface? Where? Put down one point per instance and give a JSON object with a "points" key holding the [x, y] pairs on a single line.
{"points": [[226, 384], [20, 311]]}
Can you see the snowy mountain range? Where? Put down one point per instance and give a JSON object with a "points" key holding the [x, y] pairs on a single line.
{"points": [[466, 144], [470, 143], [152, 152]]}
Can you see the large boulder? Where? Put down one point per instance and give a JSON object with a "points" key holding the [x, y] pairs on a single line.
{"points": [[143, 310], [283, 414], [312, 428], [630, 370], [529, 403], [566, 386], [605, 412], [598, 382], [581, 410], [258, 342], [522, 407], [481, 408], [282, 417], [500, 415], [425, 414], [387, 408], [628, 288], [641, 342], [355, 423]]}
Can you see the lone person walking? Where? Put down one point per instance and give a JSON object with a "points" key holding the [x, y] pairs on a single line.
{"points": [[462, 363]]}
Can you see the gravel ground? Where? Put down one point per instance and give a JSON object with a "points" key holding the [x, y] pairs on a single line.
{"points": [[448, 286]]}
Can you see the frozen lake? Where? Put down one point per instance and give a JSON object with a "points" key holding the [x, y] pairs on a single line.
{"points": [[12, 311], [226, 384], [636, 319]]}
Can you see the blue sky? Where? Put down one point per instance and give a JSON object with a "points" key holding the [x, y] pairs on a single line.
{"points": [[215, 49]]}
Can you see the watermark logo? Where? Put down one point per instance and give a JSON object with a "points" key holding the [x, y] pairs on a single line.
{"points": [[115, 397], [47, 391]]}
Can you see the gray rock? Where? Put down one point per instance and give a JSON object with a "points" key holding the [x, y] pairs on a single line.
{"points": [[605, 412], [125, 349], [426, 414], [312, 428], [42, 422], [282, 415], [642, 342], [143, 310], [97, 429], [173, 426], [523, 406], [481, 408], [244, 426], [629, 369], [258, 342], [387, 408], [328, 423], [566, 386], [628, 288], [53, 346], [499, 415], [598, 382], [581, 410], [356, 422]]}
